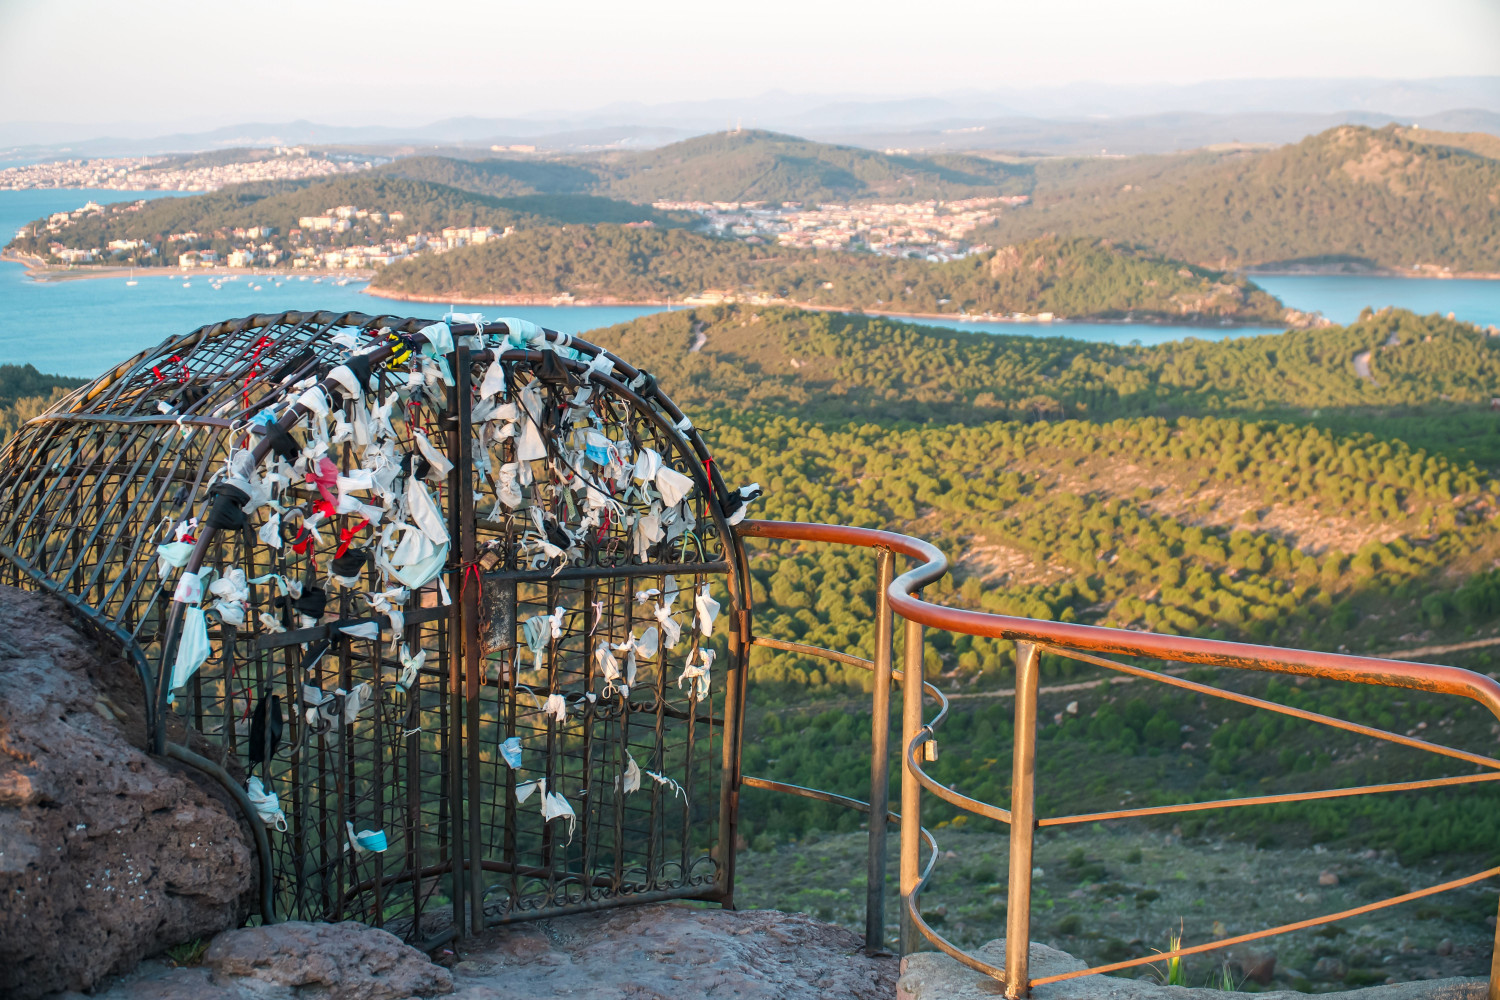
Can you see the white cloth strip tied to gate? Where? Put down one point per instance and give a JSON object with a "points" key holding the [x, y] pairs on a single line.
{"points": [[696, 674], [645, 647], [707, 611]]}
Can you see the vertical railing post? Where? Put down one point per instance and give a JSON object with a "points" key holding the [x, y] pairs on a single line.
{"points": [[468, 598], [911, 792], [453, 738], [1022, 825], [880, 758], [1494, 989]]}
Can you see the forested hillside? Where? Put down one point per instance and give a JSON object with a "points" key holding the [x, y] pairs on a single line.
{"points": [[1351, 194], [831, 366], [496, 177], [747, 165], [26, 392], [427, 207], [1259, 489], [764, 166], [1071, 278]]}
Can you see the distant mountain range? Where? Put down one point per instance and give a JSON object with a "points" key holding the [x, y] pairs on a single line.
{"points": [[1350, 197], [1072, 119]]}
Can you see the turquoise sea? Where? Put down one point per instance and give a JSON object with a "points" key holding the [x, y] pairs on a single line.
{"points": [[82, 327]]}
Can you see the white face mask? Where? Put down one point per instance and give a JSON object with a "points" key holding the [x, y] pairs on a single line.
{"points": [[270, 532], [696, 674], [424, 512], [674, 486], [441, 466], [189, 589], [631, 780], [170, 555], [267, 805], [417, 560]]}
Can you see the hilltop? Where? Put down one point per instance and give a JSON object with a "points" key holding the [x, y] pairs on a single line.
{"points": [[1351, 196], [748, 165], [765, 166], [1071, 278]]}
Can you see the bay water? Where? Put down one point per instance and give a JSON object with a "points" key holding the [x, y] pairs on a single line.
{"points": [[81, 327]]}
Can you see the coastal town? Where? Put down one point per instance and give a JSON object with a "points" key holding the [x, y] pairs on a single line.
{"points": [[350, 237], [165, 173], [926, 230], [345, 237]]}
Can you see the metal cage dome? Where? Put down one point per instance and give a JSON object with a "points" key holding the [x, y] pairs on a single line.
{"points": [[439, 601]]}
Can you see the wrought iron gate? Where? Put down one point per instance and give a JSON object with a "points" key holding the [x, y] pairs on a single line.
{"points": [[537, 715]]}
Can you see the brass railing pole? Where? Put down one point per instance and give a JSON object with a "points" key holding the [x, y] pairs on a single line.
{"points": [[1022, 825], [911, 792], [880, 776], [1494, 990]]}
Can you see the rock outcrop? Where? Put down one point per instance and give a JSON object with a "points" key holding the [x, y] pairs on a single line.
{"points": [[107, 855], [346, 961], [672, 952], [933, 976], [659, 951]]}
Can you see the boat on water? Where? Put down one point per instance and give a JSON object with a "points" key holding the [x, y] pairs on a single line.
{"points": [[132, 280], [187, 284]]}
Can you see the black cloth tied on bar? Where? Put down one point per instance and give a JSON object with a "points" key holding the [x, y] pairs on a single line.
{"points": [[350, 563], [228, 510], [282, 442], [415, 461], [312, 602], [265, 729], [359, 364]]}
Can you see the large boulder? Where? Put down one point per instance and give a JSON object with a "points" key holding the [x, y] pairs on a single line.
{"points": [[107, 855], [346, 961]]}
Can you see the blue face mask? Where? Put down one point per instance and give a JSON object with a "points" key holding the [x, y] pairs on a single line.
{"points": [[192, 647], [510, 749], [366, 840]]}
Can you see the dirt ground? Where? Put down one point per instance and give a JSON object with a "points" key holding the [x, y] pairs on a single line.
{"points": [[1108, 895]]}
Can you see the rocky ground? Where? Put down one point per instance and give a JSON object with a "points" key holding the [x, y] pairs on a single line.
{"points": [[653, 952], [1107, 895], [929, 976]]}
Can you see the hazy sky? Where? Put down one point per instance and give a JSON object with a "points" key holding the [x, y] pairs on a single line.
{"points": [[368, 61]]}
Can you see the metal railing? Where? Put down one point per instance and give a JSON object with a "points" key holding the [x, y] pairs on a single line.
{"points": [[1084, 643]]}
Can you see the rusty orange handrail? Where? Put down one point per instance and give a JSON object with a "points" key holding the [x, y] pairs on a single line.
{"points": [[1433, 677], [899, 594]]}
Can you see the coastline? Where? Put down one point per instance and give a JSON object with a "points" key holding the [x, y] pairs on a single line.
{"points": [[43, 273], [1334, 271], [536, 300]]}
